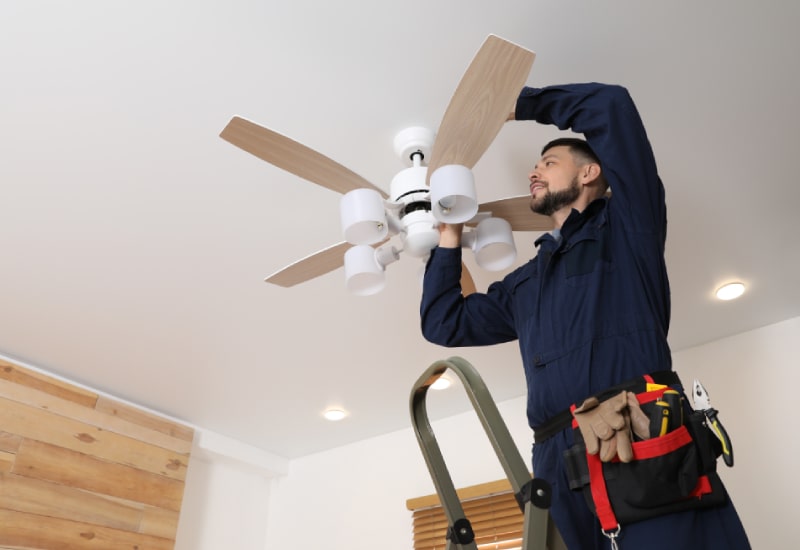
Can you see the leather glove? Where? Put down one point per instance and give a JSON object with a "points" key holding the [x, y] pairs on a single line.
{"points": [[640, 422], [606, 427]]}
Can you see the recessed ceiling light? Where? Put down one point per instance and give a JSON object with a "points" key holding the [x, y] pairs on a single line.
{"points": [[441, 383], [334, 414], [730, 291]]}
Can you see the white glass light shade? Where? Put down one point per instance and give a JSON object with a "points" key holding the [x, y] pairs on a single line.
{"points": [[421, 234], [453, 196], [494, 244], [363, 274], [363, 217]]}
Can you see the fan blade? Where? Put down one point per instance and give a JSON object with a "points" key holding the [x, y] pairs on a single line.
{"points": [[517, 212], [467, 283], [317, 264], [481, 103], [293, 157]]}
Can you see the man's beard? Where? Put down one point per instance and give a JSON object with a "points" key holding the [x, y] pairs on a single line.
{"points": [[555, 201]]}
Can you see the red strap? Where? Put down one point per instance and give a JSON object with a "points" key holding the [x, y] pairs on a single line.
{"points": [[646, 397], [657, 446], [703, 487], [608, 521]]}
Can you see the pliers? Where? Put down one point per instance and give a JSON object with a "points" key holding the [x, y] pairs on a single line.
{"points": [[703, 403]]}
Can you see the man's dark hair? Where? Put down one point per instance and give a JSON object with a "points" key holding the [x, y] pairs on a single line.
{"points": [[582, 154], [578, 147]]}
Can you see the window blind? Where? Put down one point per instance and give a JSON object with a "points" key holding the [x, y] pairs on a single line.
{"points": [[490, 508]]}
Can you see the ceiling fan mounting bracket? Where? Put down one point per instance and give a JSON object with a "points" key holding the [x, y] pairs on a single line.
{"points": [[413, 141]]}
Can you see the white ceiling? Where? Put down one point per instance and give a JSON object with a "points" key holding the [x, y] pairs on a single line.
{"points": [[135, 240]]}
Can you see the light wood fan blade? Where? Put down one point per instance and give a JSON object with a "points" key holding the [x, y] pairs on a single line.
{"points": [[517, 212], [293, 156], [467, 282], [317, 264], [480, 105]]}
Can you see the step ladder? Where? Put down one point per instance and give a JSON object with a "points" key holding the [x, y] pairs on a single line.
{"points": [[533, 495]]}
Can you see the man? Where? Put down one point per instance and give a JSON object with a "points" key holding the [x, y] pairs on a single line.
{"points": [[591, 310]]}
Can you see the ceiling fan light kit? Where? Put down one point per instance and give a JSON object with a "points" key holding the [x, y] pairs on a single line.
{"points": [[442, 190], [363, 217], [365, 268], [492, 242], [453, 195]]}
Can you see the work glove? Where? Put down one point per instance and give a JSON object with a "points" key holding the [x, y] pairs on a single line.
{"points": [[640, 422], [606, 427]]}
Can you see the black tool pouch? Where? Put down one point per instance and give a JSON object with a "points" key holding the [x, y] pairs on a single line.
{"points": [[669, 473]]}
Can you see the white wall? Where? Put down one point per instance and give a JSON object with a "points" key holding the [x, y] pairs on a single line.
{"points": [[240, 497], [362, 488], [227, 494], [323, 500], [753, 379]]}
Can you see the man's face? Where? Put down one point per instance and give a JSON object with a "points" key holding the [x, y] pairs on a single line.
{"points": [[554, 181]]}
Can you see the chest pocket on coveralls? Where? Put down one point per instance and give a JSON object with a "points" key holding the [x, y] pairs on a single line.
{"points": [[584, 257], [525, 289]]}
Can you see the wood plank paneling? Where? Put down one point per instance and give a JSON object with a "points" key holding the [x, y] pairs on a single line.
{"points": [[46, 384], [61, 431], [45, 533], [9, 442], [74, 469], [104, 416], [81, 471], [159, 522], [6, 461], [144, 419], [34, 496]]}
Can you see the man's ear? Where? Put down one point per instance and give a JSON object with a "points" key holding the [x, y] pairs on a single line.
{"points": [[590, 172]]}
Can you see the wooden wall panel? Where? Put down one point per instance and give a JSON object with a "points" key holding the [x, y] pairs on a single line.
{"points": [[35, 531], [79, 470], [30, 495]]}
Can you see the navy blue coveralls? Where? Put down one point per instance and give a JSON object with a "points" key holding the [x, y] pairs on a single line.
{"points": [[591, 310]]}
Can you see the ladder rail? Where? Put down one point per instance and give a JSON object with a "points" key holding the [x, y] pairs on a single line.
{"points": [[539, 533]]}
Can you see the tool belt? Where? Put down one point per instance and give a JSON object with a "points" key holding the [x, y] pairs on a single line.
{"points": [[564, 419], [669, 473]]}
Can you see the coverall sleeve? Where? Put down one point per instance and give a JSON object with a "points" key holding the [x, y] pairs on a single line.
{"points": [[449, 319], [607, 117]]}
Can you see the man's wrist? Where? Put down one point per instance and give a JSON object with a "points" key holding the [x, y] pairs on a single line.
{"points": [[450, 235], [449, 242]]}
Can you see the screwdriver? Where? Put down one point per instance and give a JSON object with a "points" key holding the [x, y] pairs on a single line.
{"points": [[667, 414], [660, 419], [674, 400]]}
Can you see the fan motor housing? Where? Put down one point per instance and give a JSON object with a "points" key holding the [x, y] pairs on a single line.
{"points": [[409, 185], [420, 234]]}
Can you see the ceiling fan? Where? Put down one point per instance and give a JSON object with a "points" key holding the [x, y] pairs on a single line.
{"points": [[436, 187]]}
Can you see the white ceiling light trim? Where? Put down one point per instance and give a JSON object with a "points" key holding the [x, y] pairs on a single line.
{"points": [[441, 383], [335, 414], [730, 291]]}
